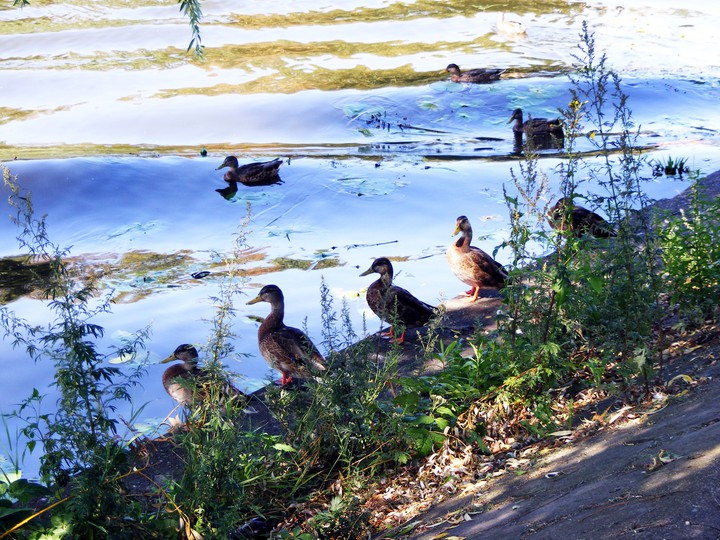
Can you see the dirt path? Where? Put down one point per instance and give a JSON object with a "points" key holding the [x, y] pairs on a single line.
{"points": [[651, 474]]}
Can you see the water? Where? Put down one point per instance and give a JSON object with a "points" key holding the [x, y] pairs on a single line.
{"points": [[106, 116]]}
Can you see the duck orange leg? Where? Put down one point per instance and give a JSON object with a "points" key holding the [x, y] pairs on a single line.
{"points": [[390, 335], [474, 292]]}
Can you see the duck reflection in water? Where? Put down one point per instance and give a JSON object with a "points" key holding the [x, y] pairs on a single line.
{"points": [[228, 192], [539, 133]]}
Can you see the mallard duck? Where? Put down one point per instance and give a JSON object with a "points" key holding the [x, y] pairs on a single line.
{"points": [[182, 381], [285, 348], [506, 26], [392, 303], [179, 379], [536, 126], [580, 220], [252, 174], [478, 76], [472, 265]]}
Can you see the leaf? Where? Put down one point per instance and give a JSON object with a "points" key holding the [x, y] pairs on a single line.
{"points": [[445, 411], [596, 282], [283, 447], [683, 377], [407, 400], [23, 490]]}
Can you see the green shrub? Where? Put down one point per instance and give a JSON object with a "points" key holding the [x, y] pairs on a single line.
{"points": [[690, 247]]}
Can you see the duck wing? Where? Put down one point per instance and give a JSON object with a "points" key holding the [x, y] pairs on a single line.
{"points": [[298, 347], [259, 173], [410, 310], [587, 221], [485, 270]]}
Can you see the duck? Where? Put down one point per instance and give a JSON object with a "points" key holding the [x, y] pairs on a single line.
{"points": [[394, 304], [182, 381], [536, 126], [512, 28], [261, 173], [287, 349], [581, 221], [477, 76], [471, 264]]}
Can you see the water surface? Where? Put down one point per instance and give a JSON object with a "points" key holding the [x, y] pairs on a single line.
{"points": [[104, 116]]}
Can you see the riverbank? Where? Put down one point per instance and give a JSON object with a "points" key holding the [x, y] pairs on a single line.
{"points": [[627, 467]]}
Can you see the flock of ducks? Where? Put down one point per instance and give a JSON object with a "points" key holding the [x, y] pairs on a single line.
{"points": [[291, 352]]}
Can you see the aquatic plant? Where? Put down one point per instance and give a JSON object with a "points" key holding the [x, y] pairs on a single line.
{"points": [[669, 166]]}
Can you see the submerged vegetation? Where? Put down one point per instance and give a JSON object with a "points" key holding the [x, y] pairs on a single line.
{"points": [[591, 315]]}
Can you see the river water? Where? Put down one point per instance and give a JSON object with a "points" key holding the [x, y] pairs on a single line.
{"points": [[104, 117]]}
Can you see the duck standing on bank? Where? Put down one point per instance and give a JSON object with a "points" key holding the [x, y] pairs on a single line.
{"points": [[472, 265], [565, 215], [285, 348], [476, 76], [262, 173], [394, 304], [184, 382]]}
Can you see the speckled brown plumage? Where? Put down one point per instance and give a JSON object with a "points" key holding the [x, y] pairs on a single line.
{"points": [[477, 76], [579, 220], [392, 303], [252, 174], [183, 382], [285, 348], [472, 265]]}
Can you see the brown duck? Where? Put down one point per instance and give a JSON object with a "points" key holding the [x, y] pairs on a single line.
{"points": [[580, 221], [392, 303], [183, 382], [477, 76], [285, 348], [472, 265], [261, 173]]}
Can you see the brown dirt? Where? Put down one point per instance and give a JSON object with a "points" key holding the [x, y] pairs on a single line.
{"points": [[646, 471]]}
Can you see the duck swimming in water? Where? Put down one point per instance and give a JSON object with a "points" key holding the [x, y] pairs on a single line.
{"points": [[472, 265], [565, 215], [285, 348], [262, 173], [392, 303], [477, 76]]}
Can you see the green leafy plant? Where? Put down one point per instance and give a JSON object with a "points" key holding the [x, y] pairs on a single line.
{"points": [[83, 451], [690, 244]]}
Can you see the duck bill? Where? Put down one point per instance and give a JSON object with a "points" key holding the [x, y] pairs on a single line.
{"points": [[457, 230], [254, 300], [168, 359], [367, 272]]}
